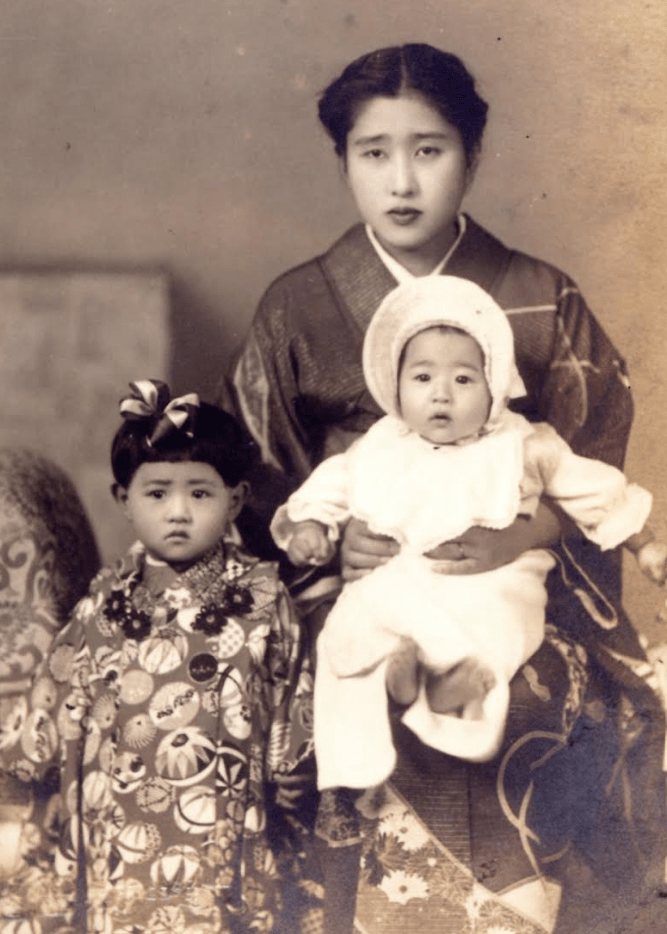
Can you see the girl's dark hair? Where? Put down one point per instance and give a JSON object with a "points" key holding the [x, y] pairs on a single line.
{"points": [[439, 76], [218, 440]]}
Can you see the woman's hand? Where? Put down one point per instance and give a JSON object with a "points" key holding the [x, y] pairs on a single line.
{"points": [[363, 551], [481, 549]]}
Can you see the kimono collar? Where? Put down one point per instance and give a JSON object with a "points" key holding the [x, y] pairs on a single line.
{"points": [[398, 271]]}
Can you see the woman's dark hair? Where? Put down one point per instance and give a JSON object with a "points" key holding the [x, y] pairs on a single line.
{"points": [[439, 76], [218, 440]]}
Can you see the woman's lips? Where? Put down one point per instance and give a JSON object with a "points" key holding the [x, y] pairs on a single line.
{"points": [[404, 216]]}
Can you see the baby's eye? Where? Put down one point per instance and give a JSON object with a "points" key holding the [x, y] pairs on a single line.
{"points": [[422, 378], [462, 380]]}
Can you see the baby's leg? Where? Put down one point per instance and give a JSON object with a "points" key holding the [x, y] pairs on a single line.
{"points": [[402, 672], [460, 690]]}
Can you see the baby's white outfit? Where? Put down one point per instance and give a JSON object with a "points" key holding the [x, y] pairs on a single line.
{"points": [[423, 494]]}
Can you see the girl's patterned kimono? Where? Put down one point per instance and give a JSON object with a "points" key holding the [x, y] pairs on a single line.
{"points": [[174, 704]]}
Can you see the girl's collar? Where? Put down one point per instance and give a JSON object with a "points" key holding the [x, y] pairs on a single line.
{"points": [[400, 273]]}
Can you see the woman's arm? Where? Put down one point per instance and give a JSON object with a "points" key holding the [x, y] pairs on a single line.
{"points": [[475, 551], [481, 549]]}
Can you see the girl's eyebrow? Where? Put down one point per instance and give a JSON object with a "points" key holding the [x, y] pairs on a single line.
{"points": [[195, 481]]}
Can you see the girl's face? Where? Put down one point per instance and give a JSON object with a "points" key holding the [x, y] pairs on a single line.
{"points": [[181, 510], [442, 390], [408, 172]]}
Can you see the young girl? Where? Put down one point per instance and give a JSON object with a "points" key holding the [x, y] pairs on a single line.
{"points": [[439, 360], [172, 700], [407, 124]]}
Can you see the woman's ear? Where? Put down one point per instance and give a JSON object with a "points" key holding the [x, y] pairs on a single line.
{"points": [[471, 171], [238, 496]]}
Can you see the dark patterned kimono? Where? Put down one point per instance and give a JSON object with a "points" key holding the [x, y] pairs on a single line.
{"points": [[579, 772], [174, 706]]}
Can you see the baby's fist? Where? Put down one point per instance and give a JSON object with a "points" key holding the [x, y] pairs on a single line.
{"points": [[309, 544]]}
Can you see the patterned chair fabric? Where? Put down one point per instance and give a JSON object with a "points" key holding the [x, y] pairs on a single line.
{"points": [[48, 555]]}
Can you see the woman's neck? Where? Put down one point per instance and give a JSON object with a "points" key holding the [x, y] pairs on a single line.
{"points": [[425, 261]]}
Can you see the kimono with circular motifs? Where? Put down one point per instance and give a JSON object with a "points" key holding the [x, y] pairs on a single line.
{"points": [[173, 715]]}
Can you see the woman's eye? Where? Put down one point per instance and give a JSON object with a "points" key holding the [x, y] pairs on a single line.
{"points": [[156, 494], [374, 153], [428, 151], [200, 494]]}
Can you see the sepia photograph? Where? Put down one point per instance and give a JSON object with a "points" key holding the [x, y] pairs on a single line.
{"points": [[333, 514]]}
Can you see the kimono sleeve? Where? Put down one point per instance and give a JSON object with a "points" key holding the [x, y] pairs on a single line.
{"points": [[264, 386], [289, 692], [586, 394]]}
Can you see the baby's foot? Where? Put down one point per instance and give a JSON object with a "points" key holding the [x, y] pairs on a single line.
{"points": [[402, 678], [461, 690]]}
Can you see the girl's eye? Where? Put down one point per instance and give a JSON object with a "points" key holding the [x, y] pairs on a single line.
{"points": [[200, 494]]}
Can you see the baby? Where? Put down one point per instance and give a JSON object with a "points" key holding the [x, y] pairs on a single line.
{"points": [[439, 359]]}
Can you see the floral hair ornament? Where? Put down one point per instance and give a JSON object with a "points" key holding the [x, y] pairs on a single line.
{"points": [[150, 398]]}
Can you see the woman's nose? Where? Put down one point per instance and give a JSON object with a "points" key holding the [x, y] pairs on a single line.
{"points": [[403, 179]]}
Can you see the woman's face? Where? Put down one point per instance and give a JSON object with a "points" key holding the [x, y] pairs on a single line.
{"points": [[408, 172]]}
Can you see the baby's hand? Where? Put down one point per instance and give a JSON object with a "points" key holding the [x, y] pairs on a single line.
{"points": [[652, 560], [310, 544]]}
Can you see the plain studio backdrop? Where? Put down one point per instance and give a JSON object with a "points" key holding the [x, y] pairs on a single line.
{"points": [[182, 136]]}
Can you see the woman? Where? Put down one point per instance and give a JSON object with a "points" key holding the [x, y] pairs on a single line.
{"points": [[575, 794]]}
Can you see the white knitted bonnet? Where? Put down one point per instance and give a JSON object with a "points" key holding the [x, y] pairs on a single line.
{"points": [[430, 301]]}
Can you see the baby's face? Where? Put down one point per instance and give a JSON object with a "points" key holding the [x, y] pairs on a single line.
{"points": [[442, 390], [180, 510]]}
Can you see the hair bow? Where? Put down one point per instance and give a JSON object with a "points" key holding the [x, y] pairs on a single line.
{"points": [[150, 398]]}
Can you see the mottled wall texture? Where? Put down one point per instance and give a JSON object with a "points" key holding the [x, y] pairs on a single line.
{"points": [[182, 136]]}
